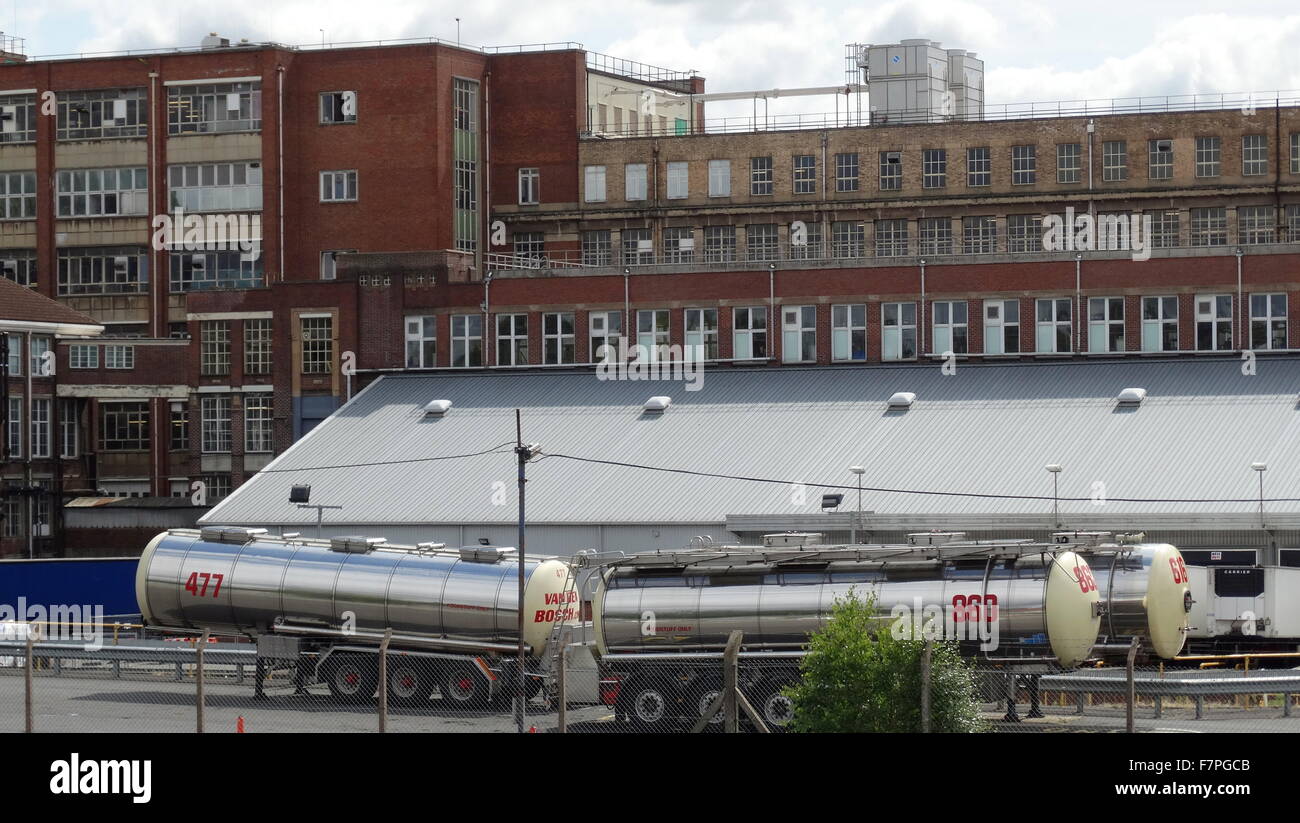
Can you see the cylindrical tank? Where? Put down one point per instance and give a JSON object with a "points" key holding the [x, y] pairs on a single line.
{"points": [[1044, 604], [203, 580], [1146, 592]]}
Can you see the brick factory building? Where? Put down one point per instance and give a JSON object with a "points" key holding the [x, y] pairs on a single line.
{"points": [[427, 206]]}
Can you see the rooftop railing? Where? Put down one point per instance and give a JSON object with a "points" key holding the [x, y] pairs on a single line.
{"points": [[324, 45]]}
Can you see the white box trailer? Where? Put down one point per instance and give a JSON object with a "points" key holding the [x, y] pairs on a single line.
{"points": [[1245, 604]]}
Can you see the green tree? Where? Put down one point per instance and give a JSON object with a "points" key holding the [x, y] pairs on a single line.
{"points": [[858, 677]]}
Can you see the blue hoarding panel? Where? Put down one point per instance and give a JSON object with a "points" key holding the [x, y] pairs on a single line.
{"points": [[109, 583]]}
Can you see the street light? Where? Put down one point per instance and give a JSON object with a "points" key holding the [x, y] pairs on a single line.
{"points": [[859, 471], [1260, 468], [301, 494], [1055, 469]]}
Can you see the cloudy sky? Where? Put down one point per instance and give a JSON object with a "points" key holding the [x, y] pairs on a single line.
{"points": [[1033, 50]]}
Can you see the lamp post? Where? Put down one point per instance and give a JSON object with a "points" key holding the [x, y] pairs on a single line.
{"points": [[1260, 468], [1055, 469], [857, 521], [523, 454], [301, 494]]}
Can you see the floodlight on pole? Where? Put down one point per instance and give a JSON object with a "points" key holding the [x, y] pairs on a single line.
{"points": [[857, 521], [1259, 469], [1055, 469]]}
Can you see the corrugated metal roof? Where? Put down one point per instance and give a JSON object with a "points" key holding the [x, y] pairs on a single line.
{"points": [[987, 429]]}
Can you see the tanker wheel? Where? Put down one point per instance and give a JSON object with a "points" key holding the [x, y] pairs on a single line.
{"points": [[410, 682], [777, 710], [648, 706], [463, 687], [702, 703], [351, 678]]}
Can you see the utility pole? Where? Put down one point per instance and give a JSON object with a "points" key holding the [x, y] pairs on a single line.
{"points": [[523, 454]]}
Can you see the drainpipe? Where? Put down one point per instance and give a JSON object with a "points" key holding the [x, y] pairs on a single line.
{"points": [[487, 307], [773, 334], [485, 205], [26, 435], [279, 136], [627, 304], [153, 194], [1092, 128], [1239, 313], [921, 314], [1078, 301]]}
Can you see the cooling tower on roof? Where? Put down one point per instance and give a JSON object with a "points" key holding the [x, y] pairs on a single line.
{"points": [[919, 81]]}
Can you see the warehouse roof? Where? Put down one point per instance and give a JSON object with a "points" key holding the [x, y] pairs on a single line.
{"points": [[24, 309], [987, 429]]}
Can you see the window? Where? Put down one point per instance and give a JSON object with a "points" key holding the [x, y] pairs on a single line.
{"points": [[338, 107], [605, 328], [180, 426], [329, 262], [40, 427], [1209, 156], [849, 332], [678, 180], [1069, 166], [1210, 227], [934, 168], [1164, 228], [259, 430], [1293, 222], [719, 244], [719, 178], [102, 192], [950, 327], [214, 347], [216, 487], [651, 334], [898, 331], [1105, 324], [761, 241], [594, 187], [1024, 165], [123, 427], [1159, 324], [798, 334], [530, 247], [1268, 321], [679, 244], [559, 341], [597, 248], [749, 333], [220, 186], [634, 185], [979, 235], [197, 271], [891, 238], [1255, 225], [936, 235], [1001, 326], [979, 166], [83, 357], [39, 362], [19, 265], [1254, 154], [1053, 326], [119, 357], [15, 355], [512, 339], [466, 340], [18, 196], [846, 171], [216, 423], [1160, 159], [848, 238], [1114, 161], [638, 247], [317, 345], [701, 334], [1024, 233], [15, 433], [214, 107], [891, 170], [760, 175], [69, 427], [812, 248], [17, 118], [338, 186], [1213, 322], [805, 174], [465, 163], [421, 342], [102, 113]]}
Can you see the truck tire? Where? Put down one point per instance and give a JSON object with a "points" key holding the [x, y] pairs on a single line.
{"points": [[776, 709], [703, 699], [410, 682], [463, 687], [352, 678], [649, 705]]}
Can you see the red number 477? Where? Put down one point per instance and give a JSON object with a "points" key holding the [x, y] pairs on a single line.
{"points": [[192, 585]]}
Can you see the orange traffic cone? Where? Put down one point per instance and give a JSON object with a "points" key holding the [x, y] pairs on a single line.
{"points": [[239, 726]]}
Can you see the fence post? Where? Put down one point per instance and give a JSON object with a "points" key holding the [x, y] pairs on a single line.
{"points": [[383, 680], [1131, 694], [27, 677], [925, 688], [562, 696], [730, 671], [198, 680]]}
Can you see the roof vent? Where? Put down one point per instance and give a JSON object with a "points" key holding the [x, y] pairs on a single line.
{"points": [[355, 545], [238, 535], [486, 554], [658, 403], [1132, 397], [902, 399], [437, 408]]}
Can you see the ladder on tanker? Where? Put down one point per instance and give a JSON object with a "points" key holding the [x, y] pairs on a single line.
{"points": [[548, 661]]}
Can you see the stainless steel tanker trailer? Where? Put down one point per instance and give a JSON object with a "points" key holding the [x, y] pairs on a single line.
{"points": [[661, 619], [324, 605]]}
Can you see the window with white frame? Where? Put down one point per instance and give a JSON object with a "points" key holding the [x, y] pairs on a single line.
{"points": [[1209, 226], [604, 329], [119, 357], [1053, 326], [701, 334], [257, 346], [979, 235], [846, 171], [83, 357], [1001, 326], [69, 427], [512, 339], [634, 181], [679, 244], [18, 265], [1255, 225], [638, 247], [849, 332], [678, 180], [1160, 159], [197, 271], [812, 248], [798, 334], [102, 192], [761, 179], [40, 361], [749, 333], [18, 195], [212, 108], [593, 189], [1213, 322], [1209, 156], [892, 238], [102, 114], [1105, 324], [1268, 321], [936, 235], [597, 248], [559, 338], [651, 335], [1295, 153], [40, 427], [1024, 165], [761, 241], [466, 340], [719, 244], [979, 166], [529, 246], [934, 168], [338, 186], [898, 331], [15, 433], [1114, 161], [950, 332], [530, 185], [891, 170], [1160, 324], [224, 186], [719, 178], [1024, 233], [15, 348], [805, 174], [1254, 154], [214, 347], [317, 344], [848, 238], [421, 341], [216, 486], [338, 107], [1164, 228], [124, 427], [1069, 163], [259, 422], [1293, 222], [215, 409]]}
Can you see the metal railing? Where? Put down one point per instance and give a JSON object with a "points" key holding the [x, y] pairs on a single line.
{"points": [[325, 45], [634, 70], [9, 44]]}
